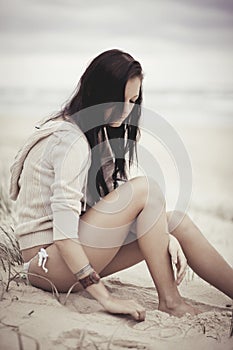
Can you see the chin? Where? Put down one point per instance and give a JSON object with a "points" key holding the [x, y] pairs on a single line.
{"points": [[115, 125]]}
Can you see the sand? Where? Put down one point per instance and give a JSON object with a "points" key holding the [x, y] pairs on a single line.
{"points": [[34, 319], [83, 324]]}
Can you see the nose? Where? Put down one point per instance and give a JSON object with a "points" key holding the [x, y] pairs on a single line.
{"points": [[127, 109]]}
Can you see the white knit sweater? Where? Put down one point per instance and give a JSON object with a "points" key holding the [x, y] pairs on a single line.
{"points": [[49, 181]]}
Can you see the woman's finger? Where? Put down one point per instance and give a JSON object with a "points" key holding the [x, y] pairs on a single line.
{"points": [[135, 314], [142, 314], [138, 312], [173, 248], [182, 263], [181, 277], [174, 256]]}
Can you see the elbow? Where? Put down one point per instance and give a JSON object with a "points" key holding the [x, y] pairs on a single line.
{"points": [[62, 243], [59, 242]]}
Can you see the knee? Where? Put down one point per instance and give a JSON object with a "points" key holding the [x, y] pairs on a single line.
{"points": [[148, 190], [178, 221]]}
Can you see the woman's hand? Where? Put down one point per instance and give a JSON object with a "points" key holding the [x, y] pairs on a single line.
{"points": [[121, 306], [178, 258]]}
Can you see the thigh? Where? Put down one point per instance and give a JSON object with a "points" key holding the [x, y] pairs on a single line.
{"points": [[104, 227], [128, 255], [58, 272], [102, 231]]}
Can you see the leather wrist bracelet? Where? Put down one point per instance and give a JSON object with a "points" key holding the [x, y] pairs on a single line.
{"points": [[83, 270], [92, 278]]}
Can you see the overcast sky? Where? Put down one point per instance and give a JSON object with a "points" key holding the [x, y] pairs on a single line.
{"points": [[179, 43]]}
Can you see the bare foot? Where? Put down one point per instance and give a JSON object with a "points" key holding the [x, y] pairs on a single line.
{"points": [[178, 309]]}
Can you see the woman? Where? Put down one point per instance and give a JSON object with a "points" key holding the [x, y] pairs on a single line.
{"points": [[77, 224]]}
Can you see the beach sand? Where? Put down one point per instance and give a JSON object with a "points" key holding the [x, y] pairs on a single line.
{"points": [[34, 319]]}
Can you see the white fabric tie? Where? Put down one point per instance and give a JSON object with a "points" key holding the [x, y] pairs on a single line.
{"points": [[42, 259]]}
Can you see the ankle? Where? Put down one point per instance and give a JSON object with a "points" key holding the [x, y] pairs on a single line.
{"points": [[177, 308], [170, 302]]}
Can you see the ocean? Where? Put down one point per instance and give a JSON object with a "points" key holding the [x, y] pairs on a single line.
{"points": [[189, 106]]}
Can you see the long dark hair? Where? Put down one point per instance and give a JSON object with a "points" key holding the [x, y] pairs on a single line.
{"points": [[103, 82]]}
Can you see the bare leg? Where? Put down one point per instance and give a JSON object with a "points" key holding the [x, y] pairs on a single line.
{"points": [[153, 244], [152, 240], [202, 257], [127, 256]]}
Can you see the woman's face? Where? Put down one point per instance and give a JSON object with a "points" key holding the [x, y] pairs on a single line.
{"points": [[132, 90]]}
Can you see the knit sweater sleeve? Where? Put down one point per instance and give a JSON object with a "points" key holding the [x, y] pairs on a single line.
{"points": [[70, 161]]}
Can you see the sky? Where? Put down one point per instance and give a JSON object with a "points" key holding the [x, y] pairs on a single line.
{"points": [[181, 44]]}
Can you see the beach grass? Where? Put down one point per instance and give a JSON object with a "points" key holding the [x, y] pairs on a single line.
{"points": [[9, 247], [10, 255]]}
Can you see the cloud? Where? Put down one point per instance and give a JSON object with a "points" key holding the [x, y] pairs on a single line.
{"points": [[73, 25], [47, 42]]}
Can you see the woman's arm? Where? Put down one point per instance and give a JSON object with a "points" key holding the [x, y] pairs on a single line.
{"points": [[72, 252], [69, 159]]}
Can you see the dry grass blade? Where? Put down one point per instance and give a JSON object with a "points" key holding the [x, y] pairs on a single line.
{"points": [[10, 254], [54, 288], [82, 338], [9, 244], [20, 335], [9, 248], [69, 291], [231, 329]]}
